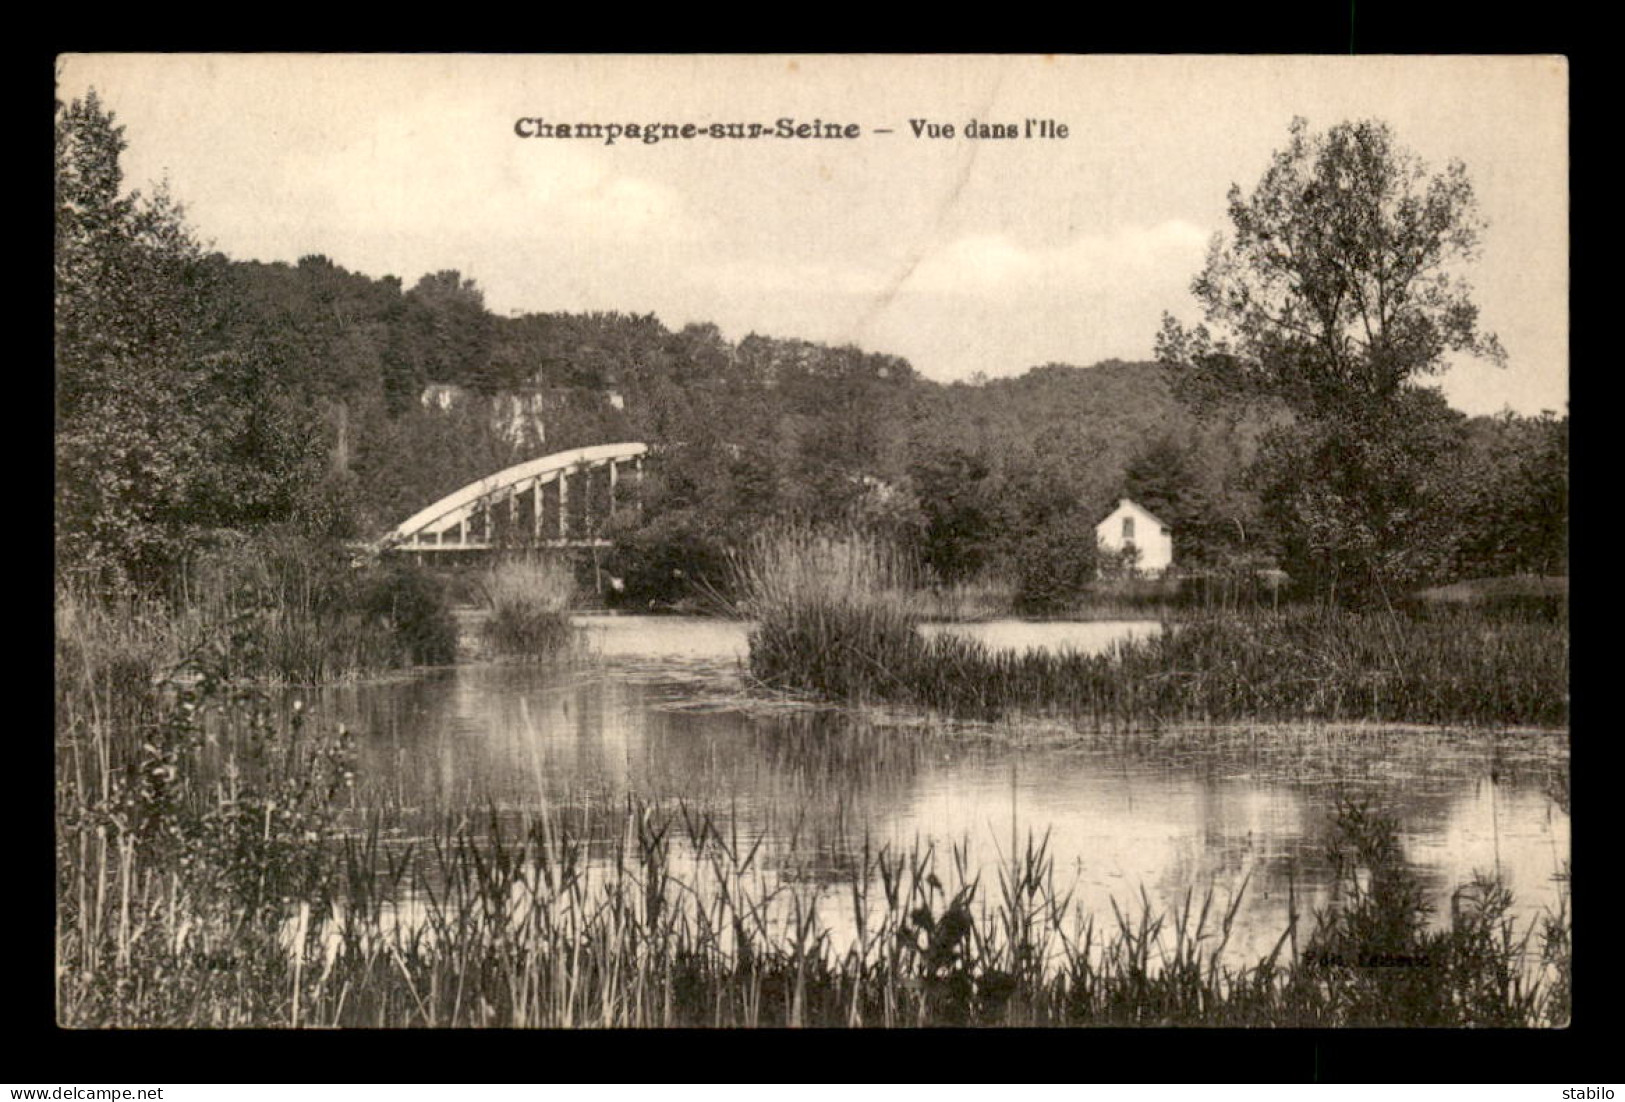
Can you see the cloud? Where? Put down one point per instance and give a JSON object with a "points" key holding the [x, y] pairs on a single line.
{"points": [[394, 190], [989, 267], [756, 277], [994, 266]]}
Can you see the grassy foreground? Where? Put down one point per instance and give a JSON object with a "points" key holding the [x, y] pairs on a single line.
{"points": [[217, 869], [834, 619]]}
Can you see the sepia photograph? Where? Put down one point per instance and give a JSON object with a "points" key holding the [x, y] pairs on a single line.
{"points": [[841, 541]]}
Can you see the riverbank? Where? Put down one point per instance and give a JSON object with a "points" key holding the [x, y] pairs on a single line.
{"points": [[228, 860], [835, 619]]}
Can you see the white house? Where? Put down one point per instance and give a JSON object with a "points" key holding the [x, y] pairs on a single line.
{"points": [[1131, 525]]}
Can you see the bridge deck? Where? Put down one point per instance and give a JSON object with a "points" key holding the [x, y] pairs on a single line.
{"points": [[482, 545]]}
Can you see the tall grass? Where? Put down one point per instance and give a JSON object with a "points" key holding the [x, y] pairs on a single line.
{"points": [[148, 692], [529, 599], [1300, 665], [833, 611], [110, 656]]}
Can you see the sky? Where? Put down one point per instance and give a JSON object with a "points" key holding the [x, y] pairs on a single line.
{"points": [[967, 257]]}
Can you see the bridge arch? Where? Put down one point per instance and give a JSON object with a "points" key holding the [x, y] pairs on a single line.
{"points": [[542, 502]]}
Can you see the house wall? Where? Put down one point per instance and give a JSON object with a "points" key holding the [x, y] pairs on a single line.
{"points": [[1156, 543]]}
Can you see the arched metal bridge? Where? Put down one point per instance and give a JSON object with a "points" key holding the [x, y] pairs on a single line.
{"points": [[560, 500]]}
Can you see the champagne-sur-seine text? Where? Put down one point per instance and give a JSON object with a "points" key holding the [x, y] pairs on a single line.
{"points": [[651, 132]]}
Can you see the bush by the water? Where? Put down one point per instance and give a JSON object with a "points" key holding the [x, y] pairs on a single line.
{"points": [[287, 607], [669, 562], [412, 604], [833, 612], [1057, 565], [529, 600]]}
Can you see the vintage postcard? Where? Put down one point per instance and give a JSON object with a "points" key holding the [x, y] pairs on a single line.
{"points": [[801, 540]]}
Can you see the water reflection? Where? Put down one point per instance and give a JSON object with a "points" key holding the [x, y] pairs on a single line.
{"points": [[658, 714]]}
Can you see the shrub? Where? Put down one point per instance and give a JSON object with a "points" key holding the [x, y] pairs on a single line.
{"points": [[411, 604], [671, 559], [1055, 568]]}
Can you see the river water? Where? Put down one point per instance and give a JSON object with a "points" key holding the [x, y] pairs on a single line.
{"points": [[658, 711]]}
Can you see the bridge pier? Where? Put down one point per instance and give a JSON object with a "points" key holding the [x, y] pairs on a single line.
{"points": [[564, 504]]}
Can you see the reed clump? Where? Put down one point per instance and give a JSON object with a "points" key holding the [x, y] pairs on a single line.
{"points": [[1293, 666], [252, 617], [529, 599], [833, 609], [110, 652]]}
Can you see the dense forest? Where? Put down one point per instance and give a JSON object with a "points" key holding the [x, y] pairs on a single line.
{"points": [[201, 398]]}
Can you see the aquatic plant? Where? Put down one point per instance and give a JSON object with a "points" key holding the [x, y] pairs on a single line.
{"points": [[833, 612], [679, 923], [218, 866]]}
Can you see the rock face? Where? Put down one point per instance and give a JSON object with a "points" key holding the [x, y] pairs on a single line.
{"points": [[516, 416], [443, 396]]}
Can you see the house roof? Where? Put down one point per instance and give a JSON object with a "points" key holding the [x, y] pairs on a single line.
{"points": [[1122, 501]]}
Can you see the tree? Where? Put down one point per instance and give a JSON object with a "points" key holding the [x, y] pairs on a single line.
{"points": [[959, 507], [1163, 476], [1056, 564], [1364, 506], [1337, 292], [1193, 476], [165, 431], [1340, 284], [130, 284], [1513, 497], [443, 335]]}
